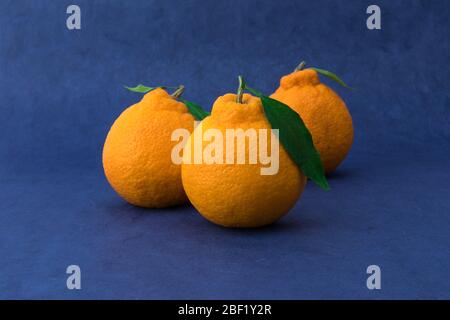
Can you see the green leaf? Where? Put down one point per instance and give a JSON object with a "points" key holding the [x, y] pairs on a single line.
{"points": [[193, 108], [141, 88], [295, 138], [332, 76], [196, 110]]}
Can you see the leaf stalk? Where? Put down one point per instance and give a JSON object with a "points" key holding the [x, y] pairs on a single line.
{"points": [[177, 93], [240, 91]]}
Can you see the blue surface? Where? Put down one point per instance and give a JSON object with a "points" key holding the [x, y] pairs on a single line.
{"points": [[60, 91]]}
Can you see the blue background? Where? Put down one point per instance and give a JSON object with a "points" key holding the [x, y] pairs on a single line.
{"points": [[61, 90]]}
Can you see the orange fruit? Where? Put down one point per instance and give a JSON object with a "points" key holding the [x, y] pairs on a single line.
{"points": [[234, 194], [324, 113], [137, 152]]}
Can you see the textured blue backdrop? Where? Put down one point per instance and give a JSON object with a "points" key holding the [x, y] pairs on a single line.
{"points": [[60, 91]]}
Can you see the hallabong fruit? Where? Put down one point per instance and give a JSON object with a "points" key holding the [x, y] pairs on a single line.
{"points": [[137, 151], [323, 112]]}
